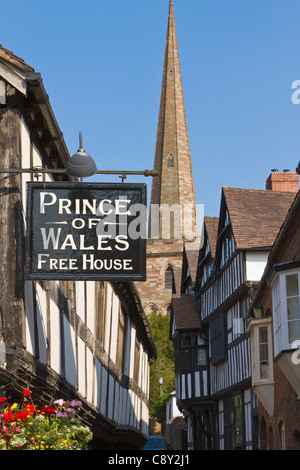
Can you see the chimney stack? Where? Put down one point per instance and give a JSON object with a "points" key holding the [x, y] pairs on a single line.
{"points": [[284, 181]]}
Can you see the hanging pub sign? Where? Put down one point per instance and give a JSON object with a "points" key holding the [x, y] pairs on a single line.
{"points": [[86, 231]]}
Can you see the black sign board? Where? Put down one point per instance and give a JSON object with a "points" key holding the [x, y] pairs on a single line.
{"points": [[86, 231]]}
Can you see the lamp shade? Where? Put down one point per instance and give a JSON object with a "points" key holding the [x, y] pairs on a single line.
{"points": [[81, 163]]}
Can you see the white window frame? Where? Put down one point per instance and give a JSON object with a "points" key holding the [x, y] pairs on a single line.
{"points": [[280, 311], [254, 327]]}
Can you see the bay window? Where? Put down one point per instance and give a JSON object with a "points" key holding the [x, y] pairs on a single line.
{"points": [[261, 350], [292, 299], [286, 307], [260, 330]]}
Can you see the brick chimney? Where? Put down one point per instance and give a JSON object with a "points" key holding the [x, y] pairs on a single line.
{"points": [[283, 181]]}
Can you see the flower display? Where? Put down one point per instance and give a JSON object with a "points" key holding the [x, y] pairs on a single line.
{"points": [[48, 427]]}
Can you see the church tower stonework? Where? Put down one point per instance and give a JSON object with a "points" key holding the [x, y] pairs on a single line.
{"points": [[172, 224]]}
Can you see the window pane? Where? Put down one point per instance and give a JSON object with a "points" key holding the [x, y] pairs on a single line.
{"points": [[200, 357], [263, 353], [198, 340], [292, 285], [169, 279], [263, 334], [185, 340], [238, 409], [294, 331], [185, 359], [293, 308]]}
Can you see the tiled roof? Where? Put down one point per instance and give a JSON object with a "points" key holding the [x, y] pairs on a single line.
{"points": [[192, 259], [185, 313], [280, 245], [212, 225], [10, 57], [256, 215], [177, 279]]}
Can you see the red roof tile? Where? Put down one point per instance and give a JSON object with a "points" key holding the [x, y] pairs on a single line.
{"points": [[185, 313], [256, 215], [212, 225], [192, 259]]}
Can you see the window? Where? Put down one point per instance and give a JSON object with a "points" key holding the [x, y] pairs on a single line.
{"points": [[238, 420], [293, 313], [277, 319], [264, 365], [228, 248], [192, 351], [261, 350], [209, 269], [218, 338], [151, 309], [281, 429], [234, 422], [240, 316], [169, 279], [168, 310], [170, 161], [286, 308]]}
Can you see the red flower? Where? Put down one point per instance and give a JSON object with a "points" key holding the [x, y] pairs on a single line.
{"points": [[26, 393], [2, 399], [47, 410], [30, 410], [21, 415], [9, 416]]}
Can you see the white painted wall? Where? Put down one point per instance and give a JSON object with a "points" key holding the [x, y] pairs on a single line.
{"points": [[68, 354], [255, 264]]}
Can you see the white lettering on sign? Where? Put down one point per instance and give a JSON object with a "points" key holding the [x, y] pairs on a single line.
{"points": [[84, 206], [80, 233]]}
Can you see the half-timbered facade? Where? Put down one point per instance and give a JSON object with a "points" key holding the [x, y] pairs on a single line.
{"points": [[231, 262], [62, 339], [275, 339], [248, 224], [192, 383]]}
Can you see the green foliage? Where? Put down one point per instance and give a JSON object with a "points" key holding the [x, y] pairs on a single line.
{"points": [[164, 366]]}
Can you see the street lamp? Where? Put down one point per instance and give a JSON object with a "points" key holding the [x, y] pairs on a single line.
{"points": [[160, 381], [81, 163]]}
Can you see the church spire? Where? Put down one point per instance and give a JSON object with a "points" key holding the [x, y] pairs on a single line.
{"points": [[174, 183]]}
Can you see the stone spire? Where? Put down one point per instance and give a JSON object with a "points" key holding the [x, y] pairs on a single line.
{"points": [[172, 188], [174, 183]]}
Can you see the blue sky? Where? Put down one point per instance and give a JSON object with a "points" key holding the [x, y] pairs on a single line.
{"points": [[101, 63]]}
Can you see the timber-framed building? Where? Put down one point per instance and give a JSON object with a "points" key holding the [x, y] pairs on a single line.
{"points": [[215, 390], [88, 340]]}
